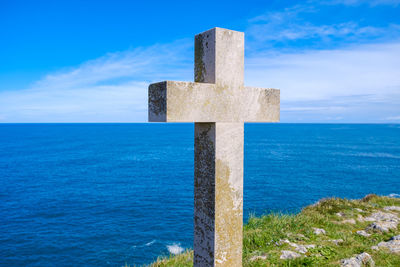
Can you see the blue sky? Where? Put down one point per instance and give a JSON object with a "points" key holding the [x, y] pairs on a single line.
{"points": [[91, 61]]}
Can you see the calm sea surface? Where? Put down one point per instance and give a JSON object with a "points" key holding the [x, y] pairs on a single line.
{"points": [[110, 194]]}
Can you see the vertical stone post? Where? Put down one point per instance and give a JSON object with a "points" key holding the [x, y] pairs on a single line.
{"points": [[218, 194], [218, 182]]}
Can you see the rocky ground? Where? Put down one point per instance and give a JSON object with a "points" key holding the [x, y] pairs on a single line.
{"points": [[332, 232]]}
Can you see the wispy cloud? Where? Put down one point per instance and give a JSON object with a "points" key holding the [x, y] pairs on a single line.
{"points": [[357, 70], [292, 27], [322, 85], [318, 85], [395, 118], [338, 71], [284, 31], [112, 88], [353, 82], [368, 2], [141, 64]]}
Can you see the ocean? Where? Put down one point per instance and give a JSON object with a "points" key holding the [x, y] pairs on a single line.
{"points": [[110, 194]]}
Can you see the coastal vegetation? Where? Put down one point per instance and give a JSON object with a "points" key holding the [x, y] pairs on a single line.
{"points": [[332, 232]]}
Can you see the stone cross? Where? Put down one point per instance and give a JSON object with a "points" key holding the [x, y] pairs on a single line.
{"points": [[218, 103]]}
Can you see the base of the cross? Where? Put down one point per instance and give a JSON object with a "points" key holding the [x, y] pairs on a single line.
{"points": [[218, 194]]}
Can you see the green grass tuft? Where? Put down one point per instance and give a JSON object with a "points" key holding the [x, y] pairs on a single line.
{"points": [[262, 235]]}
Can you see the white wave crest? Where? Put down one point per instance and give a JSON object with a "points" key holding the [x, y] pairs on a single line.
{"points": [[378, 155], [175, 249], [394, 195], [145, 245], [150, 243]]}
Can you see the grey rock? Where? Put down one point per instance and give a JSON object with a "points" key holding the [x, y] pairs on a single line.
{"points": [[392, 245], [319, 231], [383, 226], [358, 261], [363, 233], [350, 221], [299, 248], [256, 258], [283, 241], [336, 241], [392, 208], [360, 218], [287, 255], [397, 237], [381, 216], [383, 221], [303, 248]]}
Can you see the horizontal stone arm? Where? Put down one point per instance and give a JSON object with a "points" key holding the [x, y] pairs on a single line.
{"points": [[171, 101]]}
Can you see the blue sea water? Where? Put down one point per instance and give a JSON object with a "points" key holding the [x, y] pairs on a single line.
{"points": [[110, 194]]}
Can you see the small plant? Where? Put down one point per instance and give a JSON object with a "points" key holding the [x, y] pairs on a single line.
{"points": [[268, 235]]}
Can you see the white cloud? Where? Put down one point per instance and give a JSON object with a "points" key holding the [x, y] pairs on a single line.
{"points": [[90, 103], [395, 118], [289, 25], [359, 83], [369, 2], [311, 108], [139, 64], [269, 32], [352, 83], [112, 88], [358, 70]]}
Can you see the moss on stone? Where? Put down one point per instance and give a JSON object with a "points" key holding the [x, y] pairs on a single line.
{"points": [[199, 66]]}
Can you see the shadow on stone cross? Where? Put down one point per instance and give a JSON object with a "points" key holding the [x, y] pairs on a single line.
{"points": [[218, 103]]}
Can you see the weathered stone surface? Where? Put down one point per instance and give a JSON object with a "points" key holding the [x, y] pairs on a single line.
{"points": [[382, 221], [218, 194], [381, 216], [218, 93], [397, 237], [363, 233], [299, 248], [392, 208], [219, 57], [256, 258], [337, 241], [229, 194], [393, 245], [204, 194], [218, 103], [319, 231], [363, 259], [171, 101], [350, 221], [287, 255], [383, 226]]}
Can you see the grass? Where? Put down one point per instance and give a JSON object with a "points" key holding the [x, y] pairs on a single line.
{"points": [[262, 235]]}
